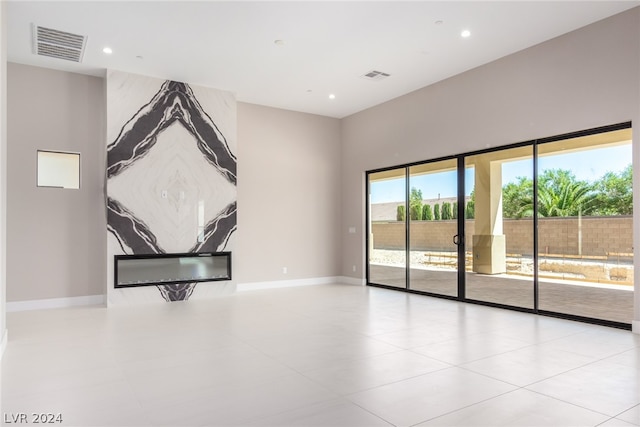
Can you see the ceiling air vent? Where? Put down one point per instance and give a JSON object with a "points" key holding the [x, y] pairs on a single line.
{"points": [[375, 75], [58, 44]]}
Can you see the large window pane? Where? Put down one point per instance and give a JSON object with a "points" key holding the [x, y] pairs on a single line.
{"points": [[574, 258], [585, 226], [433, 225], [387, 228], [499, 227]]}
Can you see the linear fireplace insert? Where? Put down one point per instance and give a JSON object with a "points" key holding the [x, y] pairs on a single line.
{"points": [[158, 269]]}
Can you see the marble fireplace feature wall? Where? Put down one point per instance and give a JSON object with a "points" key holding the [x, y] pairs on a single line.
{"points": [[171, 176]]}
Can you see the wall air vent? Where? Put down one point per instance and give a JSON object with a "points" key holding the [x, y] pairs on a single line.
{"points": [[375, 75], [58, 44]]}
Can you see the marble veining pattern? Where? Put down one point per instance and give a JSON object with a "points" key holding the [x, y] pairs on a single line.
{"points": [[171, 172]]}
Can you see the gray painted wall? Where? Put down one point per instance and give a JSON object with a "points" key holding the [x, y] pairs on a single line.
{"points": [[3, 173], [288, 190], [584, 79], [288, 195], [56, 238]]}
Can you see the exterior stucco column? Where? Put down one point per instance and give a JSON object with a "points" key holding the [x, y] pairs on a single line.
{"points": [[489, 247]]}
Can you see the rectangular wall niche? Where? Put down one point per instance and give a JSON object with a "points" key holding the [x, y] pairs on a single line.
{"points": [[58, 169], [145, 270]]}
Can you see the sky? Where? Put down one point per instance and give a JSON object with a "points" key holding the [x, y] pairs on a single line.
{"points": [[587, 165]]}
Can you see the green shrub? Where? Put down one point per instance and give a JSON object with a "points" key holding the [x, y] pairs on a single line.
{"points": [[427, 213], [446, 211]]}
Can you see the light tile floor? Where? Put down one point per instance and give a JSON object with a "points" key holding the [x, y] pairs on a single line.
{"points": [[330, 355]]}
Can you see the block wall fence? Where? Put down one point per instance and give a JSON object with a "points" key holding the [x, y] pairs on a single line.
{"points": [[599, 235]]}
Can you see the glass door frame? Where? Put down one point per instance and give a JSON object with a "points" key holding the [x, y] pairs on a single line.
{"points": [[461, 271], [460, 226]]}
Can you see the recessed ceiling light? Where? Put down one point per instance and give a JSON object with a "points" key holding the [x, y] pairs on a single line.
{"points": [[465, 33], [332, 96], [107, 50]]}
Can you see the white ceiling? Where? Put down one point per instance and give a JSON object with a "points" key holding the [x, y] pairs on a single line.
{"points": [[327, 45]]}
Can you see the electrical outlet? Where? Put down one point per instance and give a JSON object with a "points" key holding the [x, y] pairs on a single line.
{"points": [[284, 270], [353, 268]]}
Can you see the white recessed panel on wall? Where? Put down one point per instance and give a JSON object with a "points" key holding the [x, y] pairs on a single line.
{"points": [[58, 169]]}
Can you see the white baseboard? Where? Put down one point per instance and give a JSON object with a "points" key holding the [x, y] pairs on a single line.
{"points": [[40, 304], [635, 326], [352, 281], [3, 343], [242, 287]]}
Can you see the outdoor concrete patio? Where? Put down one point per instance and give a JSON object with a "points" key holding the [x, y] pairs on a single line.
{"points": [[599, 302]]}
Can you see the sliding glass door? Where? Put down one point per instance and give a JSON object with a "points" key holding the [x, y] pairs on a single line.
{"points": [[585, 226], [387, 246], [544, 226], [433, 225], [499, 227]]}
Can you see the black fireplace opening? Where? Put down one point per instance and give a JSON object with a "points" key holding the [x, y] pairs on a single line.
{"points": [[162, 269]]}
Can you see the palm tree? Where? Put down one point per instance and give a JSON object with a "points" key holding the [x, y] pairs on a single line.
{"points": [[560, 194]]}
